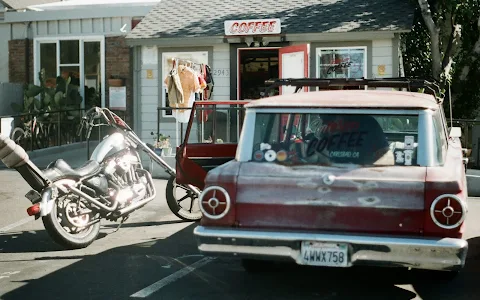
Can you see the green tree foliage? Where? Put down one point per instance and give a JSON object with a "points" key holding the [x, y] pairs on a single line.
{"points": [[457, 24]]}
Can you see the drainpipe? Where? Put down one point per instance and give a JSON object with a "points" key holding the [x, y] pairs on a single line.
{"points": [[27, 53]]}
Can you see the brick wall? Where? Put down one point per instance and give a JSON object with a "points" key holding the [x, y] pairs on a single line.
{"points": [[16, 61], [118, 63]]}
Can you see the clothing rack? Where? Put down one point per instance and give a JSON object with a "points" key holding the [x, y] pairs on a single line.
{"points": [[186, 62]]}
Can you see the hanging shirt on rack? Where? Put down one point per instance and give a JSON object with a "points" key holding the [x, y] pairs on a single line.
{"points": [[190, 86], [189, 81], [174, 88]]}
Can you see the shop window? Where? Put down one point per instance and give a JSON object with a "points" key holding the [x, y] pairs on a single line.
{"points": [[69, 52], [341, 62], [48, 61], [81, 59], [93, 78]]}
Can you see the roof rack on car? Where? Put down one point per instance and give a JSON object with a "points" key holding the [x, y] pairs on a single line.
{"points": [[411, 84]]}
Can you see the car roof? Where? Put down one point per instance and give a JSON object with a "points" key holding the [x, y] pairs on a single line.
{"points": [[349, 99]]}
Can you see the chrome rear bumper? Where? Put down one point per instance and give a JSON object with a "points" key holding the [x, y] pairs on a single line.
{"points": [[421, 253]]}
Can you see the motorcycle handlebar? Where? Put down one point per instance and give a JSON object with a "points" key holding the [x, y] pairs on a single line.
{"points": [[95, 113], [87, 120]]}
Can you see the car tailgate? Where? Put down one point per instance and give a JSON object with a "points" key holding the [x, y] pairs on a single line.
{"points": [[354, 199]]}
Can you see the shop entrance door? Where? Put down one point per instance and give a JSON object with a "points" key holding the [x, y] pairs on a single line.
{"points": [[255, 65], [293, 62]]}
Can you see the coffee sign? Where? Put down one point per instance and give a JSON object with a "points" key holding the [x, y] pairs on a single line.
{"points": [[253, 27]]}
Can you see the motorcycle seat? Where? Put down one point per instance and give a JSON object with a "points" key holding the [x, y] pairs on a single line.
{"points": [[61, 169]]}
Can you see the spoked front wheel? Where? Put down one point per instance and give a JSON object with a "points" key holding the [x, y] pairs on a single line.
{"points": [[182, 201], [70, 224]]}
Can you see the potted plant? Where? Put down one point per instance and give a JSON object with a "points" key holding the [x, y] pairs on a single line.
{"points": [[160, 143], [116, 81]]}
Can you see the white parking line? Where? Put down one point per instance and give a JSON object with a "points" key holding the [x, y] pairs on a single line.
{"points": [[16, 224], [476, 176], [171, 278]]}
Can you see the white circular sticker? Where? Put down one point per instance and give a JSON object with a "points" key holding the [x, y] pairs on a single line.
{"points": [[270, 155]]}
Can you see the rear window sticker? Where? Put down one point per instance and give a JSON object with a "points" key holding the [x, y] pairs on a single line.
{"points": [[399, 157], [270, 155], [409, 142], [348, 154], [282, 155], [265, 146], [408, 157], [258, 155]]}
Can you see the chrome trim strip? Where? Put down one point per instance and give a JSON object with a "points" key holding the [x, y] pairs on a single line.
{"points": [[339, 110]]}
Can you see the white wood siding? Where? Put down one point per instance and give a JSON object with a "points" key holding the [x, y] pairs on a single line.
{"points": [[96, 26], [382, 56], [221, 61], [4, 36], [148, 97]]}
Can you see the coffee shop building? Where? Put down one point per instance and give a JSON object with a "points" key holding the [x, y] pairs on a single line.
{"points": [[247, 42]]}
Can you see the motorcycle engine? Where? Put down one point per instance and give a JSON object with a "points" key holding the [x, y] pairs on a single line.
{"points": [[125, 185]]}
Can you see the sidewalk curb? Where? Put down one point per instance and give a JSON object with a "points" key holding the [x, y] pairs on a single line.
{"points": [[35, 154], [60, 149]]}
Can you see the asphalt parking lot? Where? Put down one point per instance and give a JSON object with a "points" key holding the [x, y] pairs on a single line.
{"points": [[154, 256]]}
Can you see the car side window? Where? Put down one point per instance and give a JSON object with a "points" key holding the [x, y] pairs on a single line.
{"points": [[440, 137]]}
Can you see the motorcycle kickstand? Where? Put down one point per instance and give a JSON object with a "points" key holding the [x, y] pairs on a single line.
{"points": [[119, 225]]}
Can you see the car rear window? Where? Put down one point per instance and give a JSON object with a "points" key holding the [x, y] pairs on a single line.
{"points": [[329, 139]]}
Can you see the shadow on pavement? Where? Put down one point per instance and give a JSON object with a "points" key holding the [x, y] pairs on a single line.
{"points": [[27, 241], [146, 224], [465, 286], [40, 241], [31, 242], [120, 272]]}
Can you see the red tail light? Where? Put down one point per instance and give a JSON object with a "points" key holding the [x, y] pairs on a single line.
{"points": [[34, 209], [215, 202], [448, 211]]}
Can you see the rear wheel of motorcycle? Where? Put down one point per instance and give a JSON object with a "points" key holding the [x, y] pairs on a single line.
{"points": [[177, 195], [57, 231]]}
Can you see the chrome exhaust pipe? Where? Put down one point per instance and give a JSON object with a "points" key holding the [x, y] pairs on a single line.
{"points": [[90, 199]]}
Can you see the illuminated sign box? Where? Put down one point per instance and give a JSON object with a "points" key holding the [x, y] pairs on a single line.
{"points": [[253, 27]]}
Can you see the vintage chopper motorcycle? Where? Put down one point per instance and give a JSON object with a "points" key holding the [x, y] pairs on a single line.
{"points": [[111, 185]]}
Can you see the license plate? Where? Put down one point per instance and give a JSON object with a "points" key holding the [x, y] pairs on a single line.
{"points": [[324, 254]]}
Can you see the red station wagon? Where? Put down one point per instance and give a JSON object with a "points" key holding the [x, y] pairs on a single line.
{"points": [[339, 179]]}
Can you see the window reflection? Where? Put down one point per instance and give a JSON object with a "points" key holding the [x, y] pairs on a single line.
{"points": [[48, 61], [341, 63], [69, 52], [93, 76]]}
